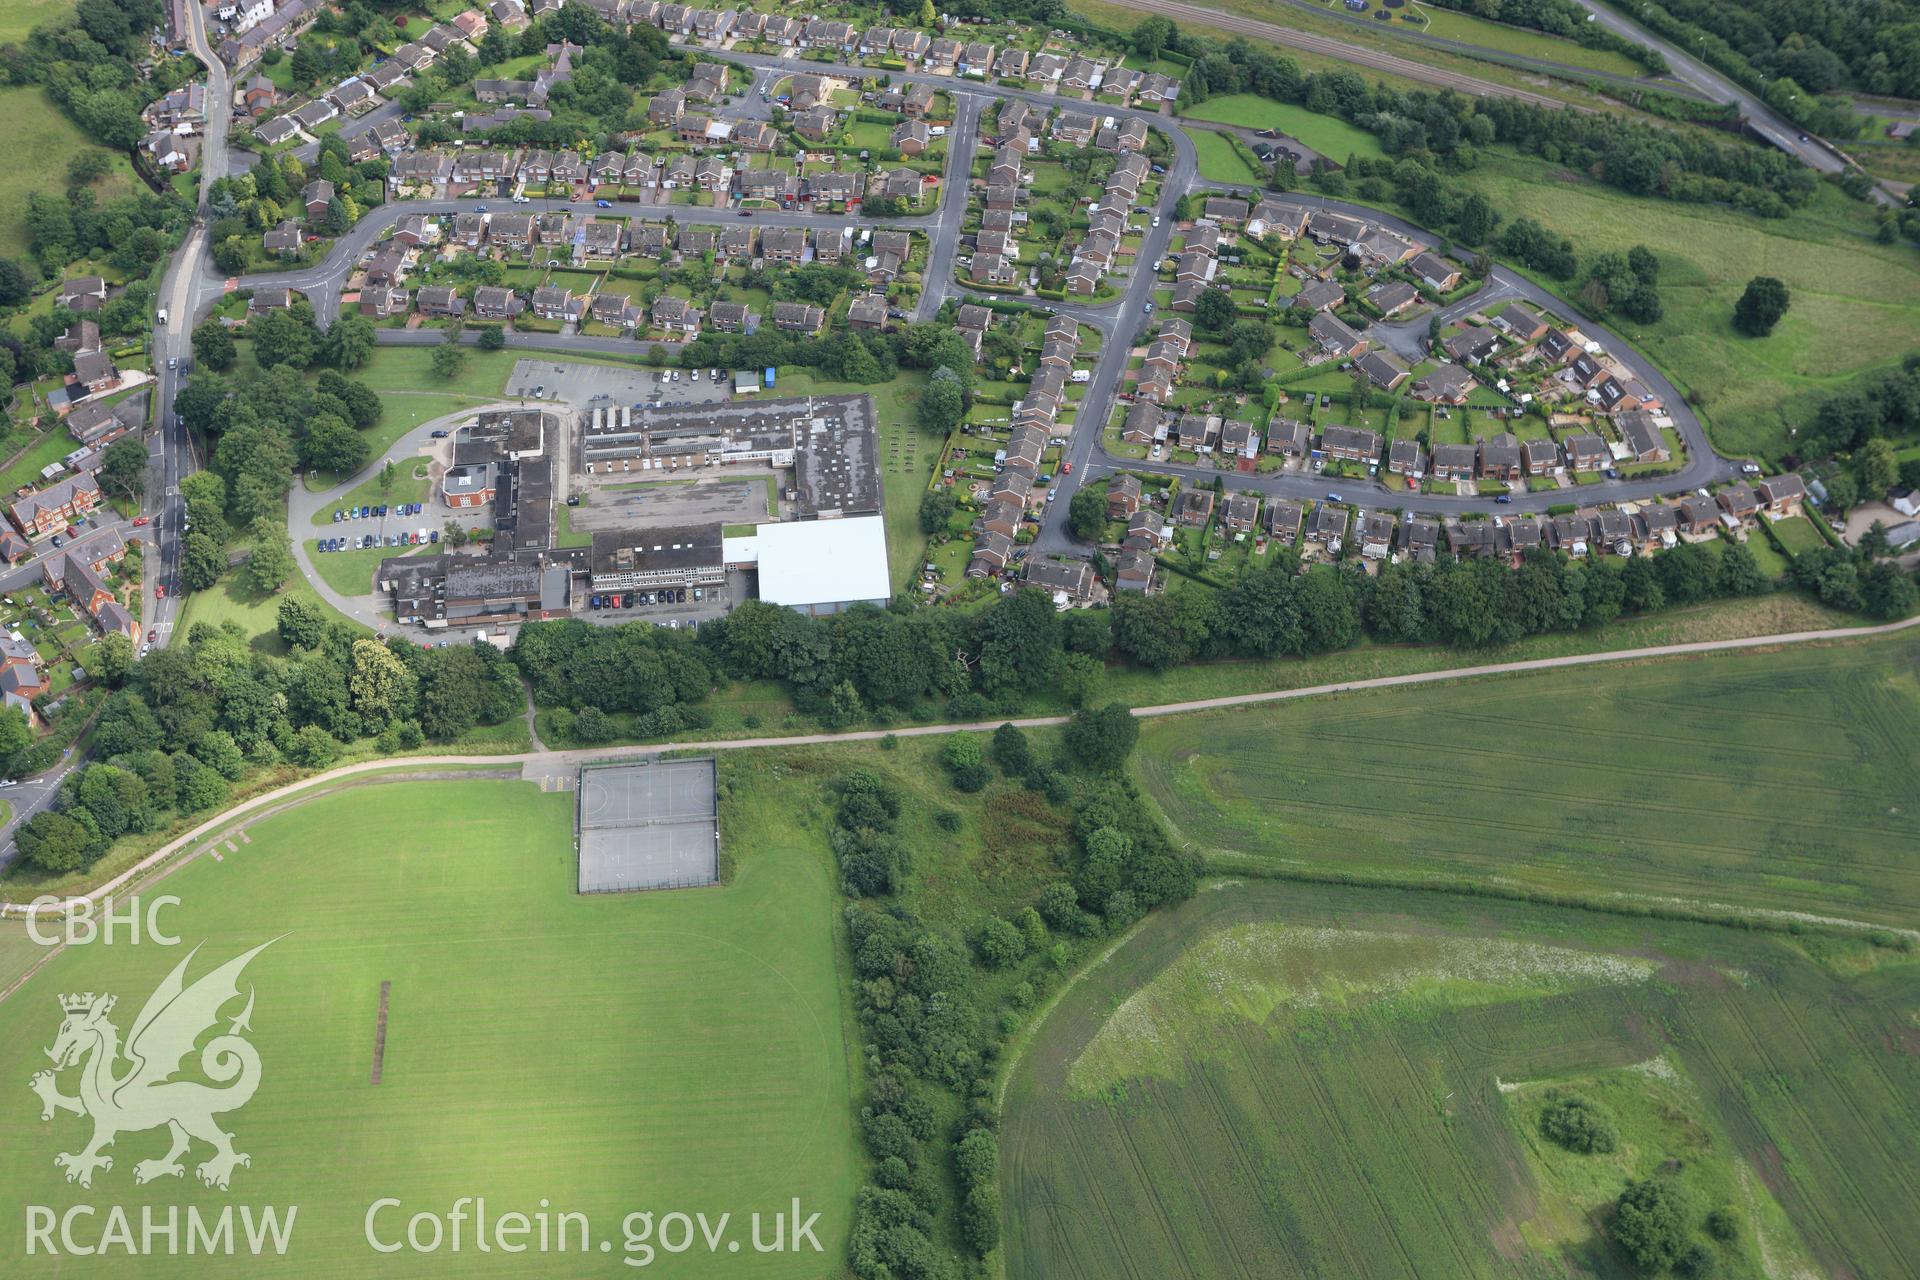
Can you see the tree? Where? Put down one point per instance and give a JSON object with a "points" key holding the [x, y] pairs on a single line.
{"points": [[55, 842], [1087, 514], [448, 361], [1579, 1124], [1213, 310], [1152, 35], [1103, 739], [332, 445], [349, 343], [271, 563], [378, 684], [942, 403], [492, 337], [16, 735], [1650, 1222], [937, 506], [1877, 467], [1760, 307], [213, 345], [285, 336], [123, 468], [1000, 944], [110, 659], [301, 622], [200, 562]]}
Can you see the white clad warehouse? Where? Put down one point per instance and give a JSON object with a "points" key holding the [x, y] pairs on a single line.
{"points": [[818, 566]]}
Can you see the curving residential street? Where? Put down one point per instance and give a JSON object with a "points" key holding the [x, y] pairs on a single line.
{"points": [[1121, 321]]}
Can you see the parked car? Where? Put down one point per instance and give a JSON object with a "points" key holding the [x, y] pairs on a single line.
{"points": [[434, 536], [140, 522], [336, 517]]}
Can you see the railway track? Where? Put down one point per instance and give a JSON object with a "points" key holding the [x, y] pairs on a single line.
{"points": [[1307, 42]]}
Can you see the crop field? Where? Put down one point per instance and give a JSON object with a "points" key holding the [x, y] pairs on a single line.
{"points": [[600, 1054], [1782, 780], [1287, 1080]]}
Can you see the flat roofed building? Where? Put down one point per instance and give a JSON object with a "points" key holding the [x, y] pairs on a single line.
{"points": [[822, 566], [690, 555]]}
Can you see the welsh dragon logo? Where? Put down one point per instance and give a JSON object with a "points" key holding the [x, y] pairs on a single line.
{"points": [[145, 1095]]}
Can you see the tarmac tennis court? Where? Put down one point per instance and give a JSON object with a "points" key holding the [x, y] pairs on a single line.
{"points": [[647, 826]]}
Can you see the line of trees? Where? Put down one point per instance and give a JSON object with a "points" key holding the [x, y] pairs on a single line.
{"points": [[932, 1023], [1641, 159], [186, 724], [89, 60]]}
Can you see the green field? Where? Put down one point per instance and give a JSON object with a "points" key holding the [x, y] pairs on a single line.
{"points": [[229, 600], [1219, 162], [1768, 780], [18, 17], [35, 127], [606, 1054], [1451, 24], [1329, 135], [1286, 1080]]}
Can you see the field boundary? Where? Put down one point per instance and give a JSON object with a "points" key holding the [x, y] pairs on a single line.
{"points": [[537, 764], [1635, 906]]}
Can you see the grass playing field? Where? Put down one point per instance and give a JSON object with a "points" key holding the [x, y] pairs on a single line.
{"points": [[1773, 780], [675, 1051], [1286, 1080]]}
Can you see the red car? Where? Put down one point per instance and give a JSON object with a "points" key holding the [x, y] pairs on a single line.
{"points": [[159, 591], [139, 521]]}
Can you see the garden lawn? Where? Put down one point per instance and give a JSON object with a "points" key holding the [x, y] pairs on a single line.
{"points": [[1329, 135], [351, 572], [598, 1053], [48, 447]]}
